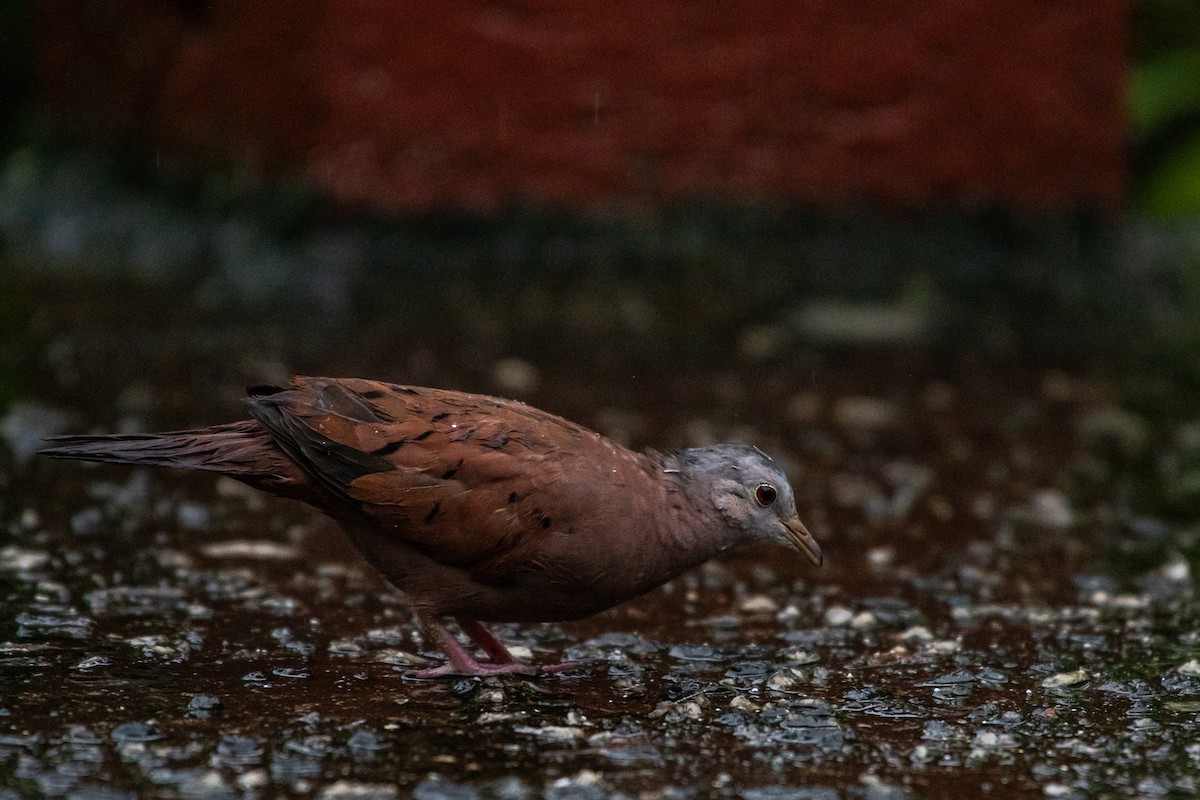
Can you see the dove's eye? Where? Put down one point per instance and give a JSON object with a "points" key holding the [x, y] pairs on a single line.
{"points": [[765, 494]]}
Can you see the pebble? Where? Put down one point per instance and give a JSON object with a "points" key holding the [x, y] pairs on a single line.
{"points": [[583, 785], [25, 426], [741, 703], [758, 604], [783, 682], [863, 621], [837, 616], [20, 559], [802, 657], [562, 734], [263, 550], [1051, 508], [1063, 680], [915, 634], [880, 558], [353, 790]]}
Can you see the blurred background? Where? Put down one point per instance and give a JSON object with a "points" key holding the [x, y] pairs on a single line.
{"points": [[941, 258], [472, 194]]}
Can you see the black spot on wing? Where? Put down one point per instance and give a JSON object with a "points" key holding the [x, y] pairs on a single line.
{"points": [[497, 441], [371, 394], [439, 417], [387, 449], [423, 436], [433, 512]]}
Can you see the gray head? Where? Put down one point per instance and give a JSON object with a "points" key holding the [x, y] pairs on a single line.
{"points": [[749, 490]]}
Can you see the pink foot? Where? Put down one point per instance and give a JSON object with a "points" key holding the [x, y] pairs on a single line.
{"points": [[475, 669], [462, 663], [484, 670]]}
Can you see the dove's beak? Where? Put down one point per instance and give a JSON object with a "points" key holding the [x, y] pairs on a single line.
{"points": [[799, 538]]}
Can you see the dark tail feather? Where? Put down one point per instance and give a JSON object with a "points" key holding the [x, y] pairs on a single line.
{"points": [[240, 449]]}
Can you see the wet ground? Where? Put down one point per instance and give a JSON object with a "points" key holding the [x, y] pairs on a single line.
{"points": [[998, 616]]}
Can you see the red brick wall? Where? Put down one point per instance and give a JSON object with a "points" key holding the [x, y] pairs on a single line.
{"points": [[404, 104]]}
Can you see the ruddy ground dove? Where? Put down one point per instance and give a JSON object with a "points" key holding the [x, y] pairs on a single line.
{"points": [[479, 508]]}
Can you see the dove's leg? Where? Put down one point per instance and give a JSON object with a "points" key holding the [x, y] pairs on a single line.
{"points": [[497, 653], [461, 662]]}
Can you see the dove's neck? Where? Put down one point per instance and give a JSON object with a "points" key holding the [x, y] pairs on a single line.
{"points": [[694, 530]]}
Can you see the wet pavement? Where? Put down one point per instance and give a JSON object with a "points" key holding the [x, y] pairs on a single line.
{"points": [[998, 616]]}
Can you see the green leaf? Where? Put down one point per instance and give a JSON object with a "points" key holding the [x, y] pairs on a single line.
{"points": [[1172, 188], [1164, 89]]}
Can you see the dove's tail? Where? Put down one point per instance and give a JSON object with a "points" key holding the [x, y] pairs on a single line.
{"points": [[242, 450]]}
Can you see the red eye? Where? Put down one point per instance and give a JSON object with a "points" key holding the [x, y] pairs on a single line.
{"points": [[765, 494]]}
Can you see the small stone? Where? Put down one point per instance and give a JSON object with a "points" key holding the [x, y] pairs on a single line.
{"points": [[986, 739], [202, 705], [1064, 680], [584, 785], [1051, 508], [863, 621], [493, 717], [562, 734], [880, 558], [802, 657], [741, 703], [254, 779], [758, 604], [916, 634], [194, 516], [789, 614], [264, 550], [838, 616], [491, 696], [353, 790], [1177, 571], [26, 425], [783, 682], [1190, 668], [520, 652], [20, 559]]}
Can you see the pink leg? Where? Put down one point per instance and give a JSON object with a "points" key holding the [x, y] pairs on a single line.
{"points": [[497, 653], [460, 662]]}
